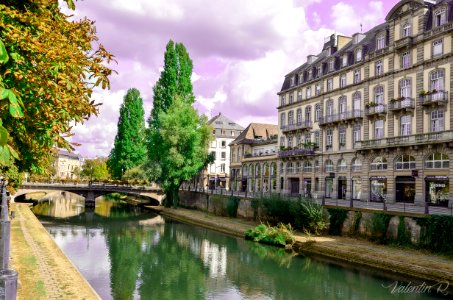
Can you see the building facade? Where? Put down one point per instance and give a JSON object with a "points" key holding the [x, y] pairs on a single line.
{"points": [[253, 165], [224, 131], [67, 165], [369, 118]]}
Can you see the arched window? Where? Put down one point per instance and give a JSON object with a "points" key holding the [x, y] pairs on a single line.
{"points": [[329, 138], [245, 171], [252, 170], [289, 168], [298, 166], [378, 164], [379, 94], [437, 161], [329, 165], [357, 76], [358, 55], [273, 169], [405, 162], [405, 88], [266, 170], [380, 41], [290, 141], [291, 118], [317, 112], [437, 80], [316, 165], [342, 105], [342, 166], [282, 119], [257, 170], [299, 116], [329, 108], [356, 164], [440, 17], [282, 168], [406, 30], [283, 100], [307, 166]]}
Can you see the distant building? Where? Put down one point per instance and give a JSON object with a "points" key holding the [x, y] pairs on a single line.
{"points": [[67, 165], [225, 131], [254, 156]]}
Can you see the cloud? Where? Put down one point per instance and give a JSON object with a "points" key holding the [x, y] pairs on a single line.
{"points": [[348, 18]]}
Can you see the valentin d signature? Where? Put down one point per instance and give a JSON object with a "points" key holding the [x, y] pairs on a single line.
{"points": [[398, 287]]}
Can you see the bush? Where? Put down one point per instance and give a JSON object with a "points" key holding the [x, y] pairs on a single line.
{"points": [[437, 234], [336, 220], [277, 209], [379, 225], [310, 216], [281, 235], [232, 206]]}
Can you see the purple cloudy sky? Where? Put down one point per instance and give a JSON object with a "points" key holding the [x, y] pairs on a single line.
{"points": [[241, 50]]}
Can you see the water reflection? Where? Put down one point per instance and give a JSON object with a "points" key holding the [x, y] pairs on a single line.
{"points": [[141, 255]]}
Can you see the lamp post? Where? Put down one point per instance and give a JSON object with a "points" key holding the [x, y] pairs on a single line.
{"points": [[8, 278]]}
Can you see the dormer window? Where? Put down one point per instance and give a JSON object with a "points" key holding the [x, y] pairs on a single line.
{"points": [[292, 81], [310, 74], [380, 42], [440, 17], [358, 55], [301, 78], [407, 30], [331, 65], [318, 71], [345, 60]]}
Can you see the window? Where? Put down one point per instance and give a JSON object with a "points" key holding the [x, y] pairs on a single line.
{"points": [[380, 42], [406, 125], [437, 80], [222, 168], [317, 138], [318, 71], [307, 138], [379, 68], [308, 114], [329, 84], [437, 48], [358, 55], [307, 166], [329, 111], [329, 166], [233, 155], [342, 136], [317, 112], [342, 105], [282, 100], [223, 155], [291, 81], [282, 141], [291, 99], [357, 76], [437, 161], [357, 103], [317, 89], [405, 88], [298, 140], [299, 95], [379, 129], [299, 116], [223, 144], [213, 154], [437, 120], [405, 162], [232, 133], [308, 92], [310, 74], [345, 60], [405, 60], [331, 65], [342, 166], [357, 135], [282, 119], [379, 163], [406, 30], [342, 80], [329, 138], [290, 142], [301, 78], [356, 164], [379, 94], [291, 118], [440, 17]]}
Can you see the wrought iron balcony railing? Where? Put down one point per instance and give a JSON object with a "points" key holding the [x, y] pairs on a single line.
{"points": [[297, 126], [434, 98], [402, 104], [340, 117]]}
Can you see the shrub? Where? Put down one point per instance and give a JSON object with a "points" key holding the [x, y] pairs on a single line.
{"points": [[311, 216], [379, 224], [336, 220], [281, 235], [232, 206], [437, 234]]}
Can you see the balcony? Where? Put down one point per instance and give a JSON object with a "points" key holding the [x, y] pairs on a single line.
{"points": [[402, 104], [375, 109], [437, 98], [408, 140], [404, 42], [341, 117], [295, 152], [304, 125]]}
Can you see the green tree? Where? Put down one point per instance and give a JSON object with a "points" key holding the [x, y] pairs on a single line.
{"points": [[95, 169], [49, 66], [129, 149], [183, 150]]}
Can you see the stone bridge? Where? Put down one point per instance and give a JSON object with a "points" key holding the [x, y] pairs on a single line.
{"points": [[92, 191]]}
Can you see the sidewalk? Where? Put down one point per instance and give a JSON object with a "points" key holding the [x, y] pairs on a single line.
{"points": [[392, 260], [44, 271]]}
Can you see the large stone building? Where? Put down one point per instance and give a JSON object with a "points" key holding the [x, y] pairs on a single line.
{"points": [[369, 118], [225, 131], [253, 165], [67, 165]]}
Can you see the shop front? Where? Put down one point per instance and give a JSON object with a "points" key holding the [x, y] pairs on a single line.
{"points": [[329, 187], [307, 187], [405, 189], [436, 190], [356, 188], [378, 189], [341, 187]]}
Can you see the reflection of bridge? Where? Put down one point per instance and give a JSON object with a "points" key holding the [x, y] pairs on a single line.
{"points": [[91, 192]]}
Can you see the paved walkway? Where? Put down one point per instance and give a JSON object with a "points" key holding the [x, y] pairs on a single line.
{"points": [[44, 270], [389, 259]]}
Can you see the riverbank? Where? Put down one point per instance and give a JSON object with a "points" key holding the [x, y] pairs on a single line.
{"points": [[44, 270], [392, 260]]}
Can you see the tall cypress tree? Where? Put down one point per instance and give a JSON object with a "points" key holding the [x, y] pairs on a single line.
{"points": [[129, 149], [177, 138]]}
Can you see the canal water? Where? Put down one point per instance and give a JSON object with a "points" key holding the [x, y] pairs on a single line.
{"points": [[126, 253]]}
